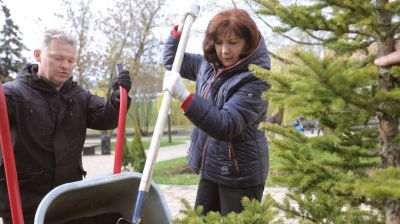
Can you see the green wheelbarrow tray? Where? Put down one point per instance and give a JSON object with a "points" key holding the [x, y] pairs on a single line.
{"points": [[102, 195]]}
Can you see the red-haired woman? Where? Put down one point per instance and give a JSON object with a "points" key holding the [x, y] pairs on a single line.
{"points": [[227, 148]]}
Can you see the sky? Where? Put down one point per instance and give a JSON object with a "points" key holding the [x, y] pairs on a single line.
{"points": [[29, 15], [33, 17]]}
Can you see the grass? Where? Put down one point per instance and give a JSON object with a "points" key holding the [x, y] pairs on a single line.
{"points": [[167, 172], [164, 141]]}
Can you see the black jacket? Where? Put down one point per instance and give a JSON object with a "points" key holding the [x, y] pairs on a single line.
{"points": [[227, 147], [48, 129]]}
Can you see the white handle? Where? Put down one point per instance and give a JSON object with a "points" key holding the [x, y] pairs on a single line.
{"points": [[162, 115]]}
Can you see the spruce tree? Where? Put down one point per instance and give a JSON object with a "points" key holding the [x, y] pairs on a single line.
{"points": [[127, 155], [11, 47], [351, 174], [134, 155], [139, 155]]}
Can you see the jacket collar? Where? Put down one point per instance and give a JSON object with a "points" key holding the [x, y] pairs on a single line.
{"points": [[29, 76]]}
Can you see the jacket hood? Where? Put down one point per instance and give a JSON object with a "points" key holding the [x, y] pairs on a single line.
{"points": [[28, 75]]}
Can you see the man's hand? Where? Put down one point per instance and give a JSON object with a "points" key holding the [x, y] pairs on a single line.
{"points": [[123, 79], [173, 83]]}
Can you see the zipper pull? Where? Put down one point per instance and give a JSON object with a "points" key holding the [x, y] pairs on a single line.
{"points": [[230, 156]]}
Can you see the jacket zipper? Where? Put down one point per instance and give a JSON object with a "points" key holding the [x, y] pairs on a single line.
{"points": [[203, 153], [204, 147], [231, 156]]}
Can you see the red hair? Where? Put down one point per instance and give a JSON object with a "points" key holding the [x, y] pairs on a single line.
{"points": [[224, 23]]}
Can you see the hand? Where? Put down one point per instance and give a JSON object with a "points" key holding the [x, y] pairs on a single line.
{"points": [[123, 79], [173, 83], [190, 9], [392, 58]]}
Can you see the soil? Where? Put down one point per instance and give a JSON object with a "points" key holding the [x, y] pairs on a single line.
{"points": [[183, 170]]}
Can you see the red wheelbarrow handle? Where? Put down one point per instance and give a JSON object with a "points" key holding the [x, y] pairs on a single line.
{"points": [[123, 102], [9, 163]]}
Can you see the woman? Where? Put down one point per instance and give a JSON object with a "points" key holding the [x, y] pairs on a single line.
{"points": [[227, 149]]}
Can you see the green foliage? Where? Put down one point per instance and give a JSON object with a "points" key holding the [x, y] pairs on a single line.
{"points": [[329, 91], [138, 155], [330, 23], [340, 93], [320, 207], [134, 154], [127, 155], [373, 187], [254, 212]]}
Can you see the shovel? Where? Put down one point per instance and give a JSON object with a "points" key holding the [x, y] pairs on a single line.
{"points": [[119, 148], [158, 129], [9, 163]]}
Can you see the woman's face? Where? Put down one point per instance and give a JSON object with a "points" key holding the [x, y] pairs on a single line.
{"points": [[228, 48]]}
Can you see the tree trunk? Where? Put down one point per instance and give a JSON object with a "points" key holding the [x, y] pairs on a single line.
{"points": [[279, 115], [388, 123]]}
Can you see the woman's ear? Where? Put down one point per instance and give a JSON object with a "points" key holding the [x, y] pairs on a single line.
{"points": [[37, 54]]}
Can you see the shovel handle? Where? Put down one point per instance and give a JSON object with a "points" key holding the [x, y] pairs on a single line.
{"points": [[123, 102], [9, 163], [145, 181]]}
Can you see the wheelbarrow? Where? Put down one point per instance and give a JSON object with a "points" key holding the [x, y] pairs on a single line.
{"points": [[112, 197], [112, 194]]}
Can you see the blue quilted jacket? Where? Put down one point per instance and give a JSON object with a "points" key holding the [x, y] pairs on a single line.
{"points": [[226, 147]]}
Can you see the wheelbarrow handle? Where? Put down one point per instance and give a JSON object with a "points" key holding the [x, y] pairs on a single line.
{"points": [[9, 163], [123, 102]]}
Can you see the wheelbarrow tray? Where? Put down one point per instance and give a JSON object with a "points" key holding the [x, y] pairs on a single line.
{"points": [[102, 195]]}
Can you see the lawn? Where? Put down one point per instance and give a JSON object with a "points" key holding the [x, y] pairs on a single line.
{"points": [[170, 172]]}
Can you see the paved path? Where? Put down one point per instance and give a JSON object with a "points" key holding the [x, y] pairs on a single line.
{"points": [[98, 165]]}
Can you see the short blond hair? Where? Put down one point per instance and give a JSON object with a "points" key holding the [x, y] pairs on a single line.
{"points": [[57, 34]]}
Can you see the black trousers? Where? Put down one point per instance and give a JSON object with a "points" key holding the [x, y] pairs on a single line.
{"points": [[218, 198]]}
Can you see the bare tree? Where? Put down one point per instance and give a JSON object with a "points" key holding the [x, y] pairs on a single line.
{"points": [[82, 21], [132, 40]]}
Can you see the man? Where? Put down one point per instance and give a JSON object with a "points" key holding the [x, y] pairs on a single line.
{"points": [[49, 114]]}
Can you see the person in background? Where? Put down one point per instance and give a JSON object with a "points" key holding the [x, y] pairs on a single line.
{"points": [[298, 124], [227, 149], [389, 59], [49, 114]]}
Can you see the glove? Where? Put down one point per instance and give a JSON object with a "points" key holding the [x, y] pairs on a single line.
{"points": [[123, 79], [191, 9], [173, 83]]}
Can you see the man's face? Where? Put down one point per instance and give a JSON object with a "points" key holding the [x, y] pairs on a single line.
{"points": [[56, 63]]}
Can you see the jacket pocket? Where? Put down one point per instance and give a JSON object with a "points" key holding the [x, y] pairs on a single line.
{"points": [[35, 181], [232, 156], [227, 163]]}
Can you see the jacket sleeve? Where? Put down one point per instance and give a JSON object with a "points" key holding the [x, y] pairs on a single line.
{"points": [[190, 63], [103, 115], [8, 93], [244, 108]]}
